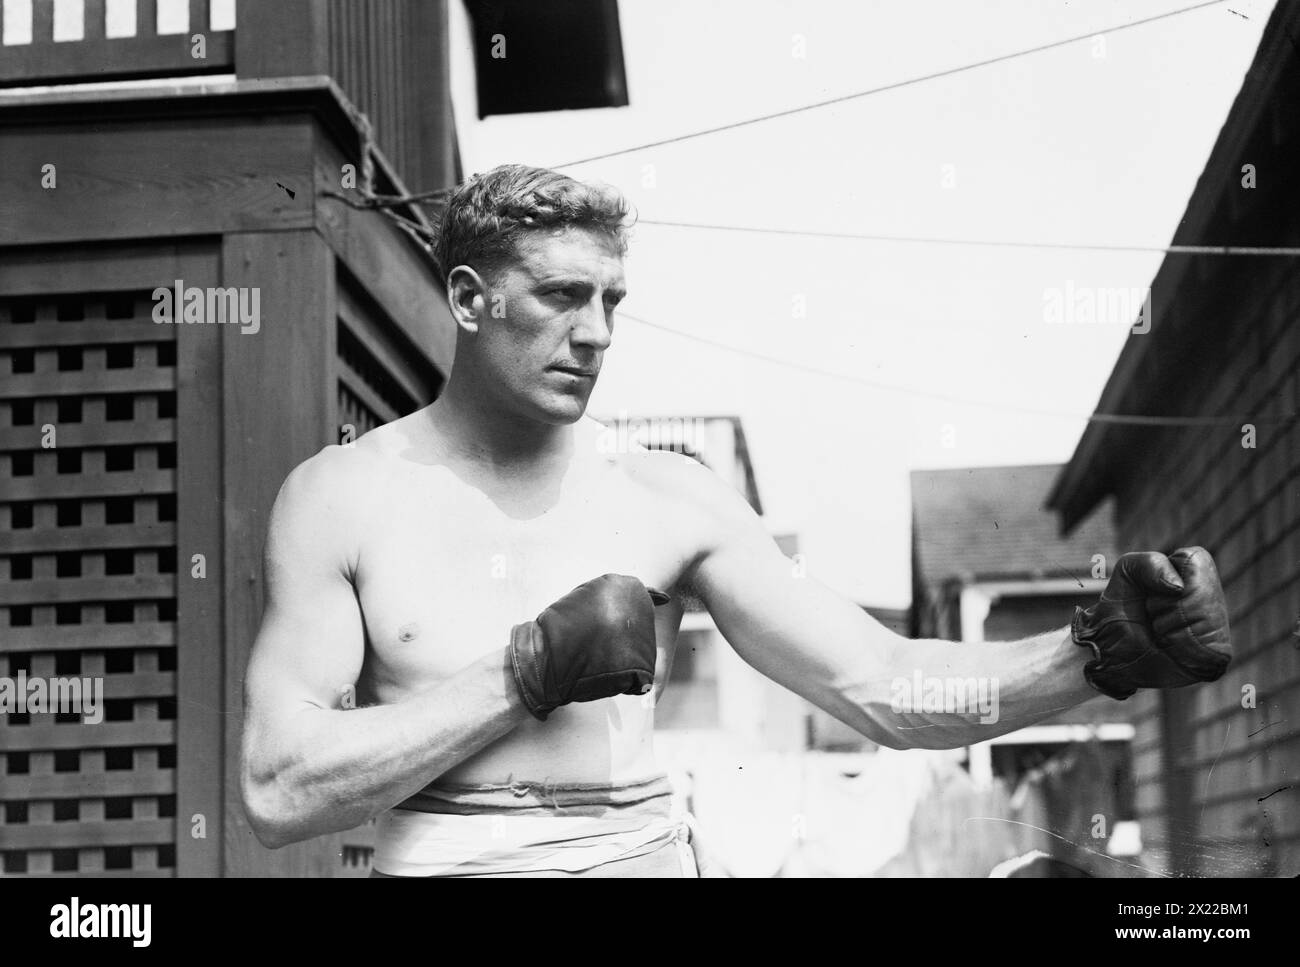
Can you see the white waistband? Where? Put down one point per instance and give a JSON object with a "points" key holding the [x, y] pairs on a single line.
{"points": [[412, 843]]}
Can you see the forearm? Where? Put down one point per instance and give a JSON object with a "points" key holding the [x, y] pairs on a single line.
{"points": [[932, 694], [1162, 622], [325, 770]]}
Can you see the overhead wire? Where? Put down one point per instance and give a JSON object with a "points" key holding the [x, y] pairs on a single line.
{"points": [[385, 204], [1131, 419], [894, 86], [1233, 250]]}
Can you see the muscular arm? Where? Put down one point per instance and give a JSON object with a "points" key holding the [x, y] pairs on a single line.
{"points": [[309, 765], [820, 646]]}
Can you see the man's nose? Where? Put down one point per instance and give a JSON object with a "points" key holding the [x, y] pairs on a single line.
{"points": [[592, 327]]}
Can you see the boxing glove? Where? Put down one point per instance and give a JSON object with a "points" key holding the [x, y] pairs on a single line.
{"points": [[595, 642], [1162, 622]]}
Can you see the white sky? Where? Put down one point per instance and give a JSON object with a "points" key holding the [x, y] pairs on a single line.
{"points": [[1059, 146]]}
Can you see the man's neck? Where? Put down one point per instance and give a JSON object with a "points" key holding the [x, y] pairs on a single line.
{"points": [[475, 429]]}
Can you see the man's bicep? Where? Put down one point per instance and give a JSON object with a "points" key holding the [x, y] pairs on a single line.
{"points": [[310, 647], [785, 624]]}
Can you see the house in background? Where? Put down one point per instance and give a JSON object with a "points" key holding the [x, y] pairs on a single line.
{"points": [[778, 786], [713, 696], [989, 564], [718, 717], [1217, 765]]}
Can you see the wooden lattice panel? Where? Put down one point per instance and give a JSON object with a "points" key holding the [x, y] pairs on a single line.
{"points": [[88, 568], [378, 382], [378, 378]]}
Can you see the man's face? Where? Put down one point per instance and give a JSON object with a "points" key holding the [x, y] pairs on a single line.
{"points": [[558, 300]]}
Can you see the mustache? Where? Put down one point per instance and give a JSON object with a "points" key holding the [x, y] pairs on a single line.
{"points": [[591, 368]]}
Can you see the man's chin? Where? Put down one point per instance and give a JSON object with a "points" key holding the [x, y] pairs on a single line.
{"points": [[561, 411]]}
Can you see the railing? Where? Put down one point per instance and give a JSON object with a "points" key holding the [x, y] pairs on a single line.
{"points": [[72, 41], [389, 57]]}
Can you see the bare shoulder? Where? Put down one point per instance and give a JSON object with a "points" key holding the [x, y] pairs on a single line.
{"points": [[682, 486], [339, 477], [323, 504], [330, 478]]}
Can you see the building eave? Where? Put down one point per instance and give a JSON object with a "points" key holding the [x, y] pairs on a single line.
{"points": [[1089, 476]]}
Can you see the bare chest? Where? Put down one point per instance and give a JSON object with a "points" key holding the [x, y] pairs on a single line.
{"points": [[445, 572]]}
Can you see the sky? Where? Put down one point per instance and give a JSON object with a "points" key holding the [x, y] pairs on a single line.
{"points": [[1099, 141]]}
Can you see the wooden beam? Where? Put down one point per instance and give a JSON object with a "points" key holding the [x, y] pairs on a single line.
{"points": [[432, 160], [199, 16], [397, 360], [112, 537], [42, 24], [132, 331], [92, 486], [136, 179], [281, 39], [291, 360], [80, 267], [72, 785], [47, 737], [201, 688], [124, 433], [146, 18], [115, 58], [387, 264], [85, 382], [159, 634], [93, 18], [60, 590], [121, 832]]}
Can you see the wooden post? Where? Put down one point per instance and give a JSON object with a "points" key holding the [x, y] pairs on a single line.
{"points": [[93, 18], [201, 694], [279, 389], [432, 161], [146, 18], [198, 16], [282, 39], [42, 21]]}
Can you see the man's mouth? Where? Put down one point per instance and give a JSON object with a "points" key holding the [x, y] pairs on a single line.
{"points": [[576, 371]]}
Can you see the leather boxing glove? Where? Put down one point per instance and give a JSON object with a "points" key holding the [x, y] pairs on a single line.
{"points": [[1162, 622], [595, 642]]}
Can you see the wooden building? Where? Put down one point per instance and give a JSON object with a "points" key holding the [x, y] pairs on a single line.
{"points": [[988, 564], [1216, 764], [201, 147], [131, 549]]}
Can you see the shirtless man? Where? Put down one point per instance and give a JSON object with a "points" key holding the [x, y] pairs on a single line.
{"points": [[501, 723]]}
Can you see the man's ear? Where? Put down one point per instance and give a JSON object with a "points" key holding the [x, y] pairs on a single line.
{"points": [[467, 296]]}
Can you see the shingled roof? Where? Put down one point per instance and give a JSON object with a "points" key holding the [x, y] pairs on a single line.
{"points": [[991, 523]]}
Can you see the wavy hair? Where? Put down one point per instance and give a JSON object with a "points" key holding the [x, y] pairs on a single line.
{"points": [[490, 214]]}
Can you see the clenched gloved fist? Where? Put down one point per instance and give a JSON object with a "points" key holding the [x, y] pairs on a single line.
{"points": [[595, 642], [1162, 622]]}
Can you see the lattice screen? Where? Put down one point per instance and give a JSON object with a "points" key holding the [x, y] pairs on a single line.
{"points": [[368, 394], [378, 383], [88, 562]]}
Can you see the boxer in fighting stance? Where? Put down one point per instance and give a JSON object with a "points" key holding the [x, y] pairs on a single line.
{"points": [[480, 572]]}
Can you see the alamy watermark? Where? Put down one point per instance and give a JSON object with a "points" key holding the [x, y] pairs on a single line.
{"points": [[1085, 305], [75, 920], [683, 434], [955, 696], [37, 695], [232, 305]]}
